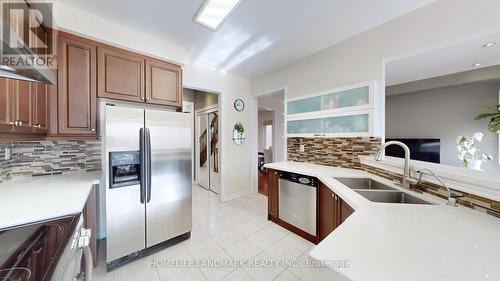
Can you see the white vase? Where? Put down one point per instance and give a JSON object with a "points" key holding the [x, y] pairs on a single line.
{"points": [[476, 165]]}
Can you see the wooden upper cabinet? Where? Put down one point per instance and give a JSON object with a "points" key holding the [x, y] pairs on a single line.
{"points": [[163, 83], [23, 99], [39, 93], [6, 104], [76, 86], [18, 23], [120, 74]]}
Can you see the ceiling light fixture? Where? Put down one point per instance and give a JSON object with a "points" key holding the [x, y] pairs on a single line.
{"points": [[476, 65], [214, 12], [490, 44]]}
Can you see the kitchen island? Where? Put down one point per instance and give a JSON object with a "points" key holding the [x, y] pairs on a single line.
{"points": [[386, 241]]}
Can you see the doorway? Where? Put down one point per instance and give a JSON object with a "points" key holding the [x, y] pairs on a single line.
{"points": [[271, 143], [207, 149], [206, 142]]}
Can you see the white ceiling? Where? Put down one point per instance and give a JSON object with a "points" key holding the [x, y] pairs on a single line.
{"points": [[448, 60], [261, 35]]}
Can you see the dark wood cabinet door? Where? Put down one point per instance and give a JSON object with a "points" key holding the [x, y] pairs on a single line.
{"points": [[332, 211], [23, 107], [39, 107], [345, 211], [90, 221], [120, 74], [6, 104], [327, 211], [17, 20], [163, 83], [76, 86], [272, 198]]}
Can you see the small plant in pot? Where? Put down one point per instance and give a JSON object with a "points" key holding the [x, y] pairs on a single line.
{"points": [[470, 153]]}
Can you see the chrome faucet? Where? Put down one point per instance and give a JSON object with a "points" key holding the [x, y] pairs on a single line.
{"points": [[451, 201], [407, 178]]}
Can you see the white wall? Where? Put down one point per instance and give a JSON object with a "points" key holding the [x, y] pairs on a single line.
{"points": [[445, 113], [234, 159], [360, 58]]}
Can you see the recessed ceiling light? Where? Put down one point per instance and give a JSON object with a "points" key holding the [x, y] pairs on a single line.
{"points": [[490, 44], [476, 65], [214, 12]]}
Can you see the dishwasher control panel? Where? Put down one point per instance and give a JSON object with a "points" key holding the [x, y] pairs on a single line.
{"points": [[307, 180]]}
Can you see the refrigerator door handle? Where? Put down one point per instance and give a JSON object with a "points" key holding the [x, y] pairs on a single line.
{"points": [[143, 165], [148, 165]]}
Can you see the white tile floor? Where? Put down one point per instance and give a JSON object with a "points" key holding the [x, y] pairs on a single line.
{"points": [[224, 233]]}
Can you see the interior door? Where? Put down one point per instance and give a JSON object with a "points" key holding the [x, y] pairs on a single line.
{"points": [[168, 205], [125, 219], [213, 151], [202, 156]]}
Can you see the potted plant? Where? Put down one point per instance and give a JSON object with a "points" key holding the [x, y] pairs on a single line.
{"points": [[470, 153], [494, 117]]}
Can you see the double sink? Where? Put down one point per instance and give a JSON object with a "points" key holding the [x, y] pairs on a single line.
{"points": [[379, 192]]}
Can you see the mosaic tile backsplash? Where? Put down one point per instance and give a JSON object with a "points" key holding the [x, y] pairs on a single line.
{"points": [[37, 158], [344, 152], [472, 201], [337, 152]]}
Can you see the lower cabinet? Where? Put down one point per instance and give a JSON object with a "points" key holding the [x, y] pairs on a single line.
{"points": [[332, 211], [90, 221], [272, 204]]}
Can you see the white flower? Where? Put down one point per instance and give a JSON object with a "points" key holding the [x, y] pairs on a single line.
{"points": [[469, 153], [478, 136]]}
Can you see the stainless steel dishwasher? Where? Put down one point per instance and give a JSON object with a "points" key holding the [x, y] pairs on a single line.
{"points": [[297, 201]]}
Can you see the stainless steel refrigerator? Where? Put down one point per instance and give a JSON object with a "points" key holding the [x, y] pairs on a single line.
{"points": [[148, 180]]}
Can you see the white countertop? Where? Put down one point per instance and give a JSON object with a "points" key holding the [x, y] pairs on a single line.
{"points": [[405, 242], [29, 199]]}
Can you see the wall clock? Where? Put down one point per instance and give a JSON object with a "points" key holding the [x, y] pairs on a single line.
{"points": [[239, 105]]}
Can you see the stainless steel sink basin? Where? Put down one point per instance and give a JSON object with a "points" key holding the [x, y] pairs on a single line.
{"points": [[387, 196], [363, 183]]}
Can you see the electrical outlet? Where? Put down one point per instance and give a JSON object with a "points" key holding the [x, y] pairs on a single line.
{"points": [[8, 153], [302, 148]]}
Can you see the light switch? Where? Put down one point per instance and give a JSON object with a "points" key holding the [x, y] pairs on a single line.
{"points": [[302, 148]]}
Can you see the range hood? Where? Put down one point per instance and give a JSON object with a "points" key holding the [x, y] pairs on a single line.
{"points": [[27, 71]]}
